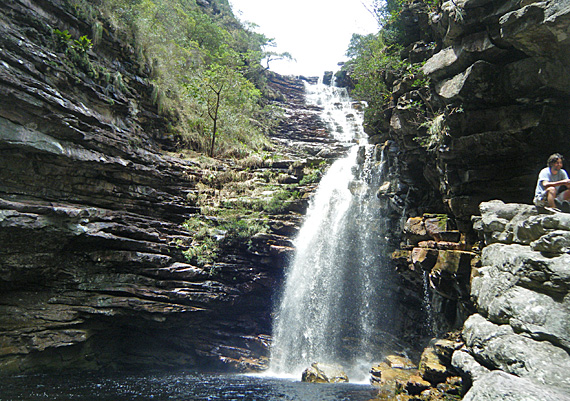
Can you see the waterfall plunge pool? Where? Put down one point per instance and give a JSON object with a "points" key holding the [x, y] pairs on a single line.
{"points": [[175, 387], [350, 286]]}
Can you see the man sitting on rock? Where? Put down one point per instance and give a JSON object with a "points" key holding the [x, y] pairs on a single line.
{"points": [[552, 186]]}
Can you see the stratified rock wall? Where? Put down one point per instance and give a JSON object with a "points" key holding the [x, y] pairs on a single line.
{"points": [[498, 100], [92, 271], [496, 104]]}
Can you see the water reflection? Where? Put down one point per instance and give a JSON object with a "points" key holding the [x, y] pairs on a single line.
{"points": [[186, 386]]}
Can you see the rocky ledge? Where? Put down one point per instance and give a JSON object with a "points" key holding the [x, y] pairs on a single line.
{"points": [[517, 344]]}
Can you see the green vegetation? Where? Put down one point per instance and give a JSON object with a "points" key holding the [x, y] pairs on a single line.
{"points": [[203, 63], [389, 16], [436, 128], [76, 52], [371, 58], [234, 206], [313, 173], [378, 61], [375, 57], [212, 235]]}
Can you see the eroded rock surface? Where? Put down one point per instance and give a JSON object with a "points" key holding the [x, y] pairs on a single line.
{"points": [[324, 373], [521, 295]]}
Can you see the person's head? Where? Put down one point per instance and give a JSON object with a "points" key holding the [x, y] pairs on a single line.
{"points": [[554, 158]]}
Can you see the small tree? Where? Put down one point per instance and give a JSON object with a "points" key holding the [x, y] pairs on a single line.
{"points": [[228, 100], [273, 56], [213, 109]]}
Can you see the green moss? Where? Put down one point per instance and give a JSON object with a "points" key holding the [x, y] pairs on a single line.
{"points": [[210, 236]]}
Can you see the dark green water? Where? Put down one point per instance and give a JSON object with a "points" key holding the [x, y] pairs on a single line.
{"points": [[180, 386]]}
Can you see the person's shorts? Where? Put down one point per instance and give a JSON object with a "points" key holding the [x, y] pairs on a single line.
{"points": [[540, 202], [543, 202]]}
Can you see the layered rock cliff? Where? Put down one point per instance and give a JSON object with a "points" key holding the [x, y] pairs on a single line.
{"points": [[496, 106], [495, 109], [97, 268]]}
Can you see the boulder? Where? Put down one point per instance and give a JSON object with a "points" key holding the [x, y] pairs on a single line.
{"points": [[499, 347], [415, 230], [432, 368], [451, 272], [454, 59], [324, 373], [327, 77], [390, 377], [501, 292], [415, 385], [424, 258], [465, 363], [501, 386], [511, 222], [445, 349], [555, 242], [474, 85], [400, 362], [538, 29], [531, 269]]}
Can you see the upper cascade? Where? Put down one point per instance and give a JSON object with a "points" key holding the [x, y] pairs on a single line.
{"points": [[343, 115]]}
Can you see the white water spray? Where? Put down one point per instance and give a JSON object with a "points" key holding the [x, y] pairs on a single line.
{"points": [[337, 301]]}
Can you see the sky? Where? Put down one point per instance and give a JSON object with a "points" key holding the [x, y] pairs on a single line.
{"points": [[315, 32]]}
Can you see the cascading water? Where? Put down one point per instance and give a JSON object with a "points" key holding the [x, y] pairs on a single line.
{"points": [[338, 296]]}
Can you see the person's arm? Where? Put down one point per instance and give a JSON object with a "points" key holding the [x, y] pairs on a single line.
{"points": [[548, 184]]}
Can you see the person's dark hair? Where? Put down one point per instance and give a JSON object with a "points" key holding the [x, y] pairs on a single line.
{"points": [[554, 158]]}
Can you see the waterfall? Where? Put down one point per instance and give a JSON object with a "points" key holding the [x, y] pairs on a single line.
{"points": [[337, 300]]}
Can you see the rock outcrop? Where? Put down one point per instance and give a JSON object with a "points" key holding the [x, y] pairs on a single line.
{"points": [[495, 108], [436, 260], [324, 373], [433, 379], [518, 340]]}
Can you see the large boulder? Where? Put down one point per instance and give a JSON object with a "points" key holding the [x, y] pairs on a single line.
{"points": [[324, 373], [525, 289], [521, 293], [539, 28], [499, 347], [501, 386]]}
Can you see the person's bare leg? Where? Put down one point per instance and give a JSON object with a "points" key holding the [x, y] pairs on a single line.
{"points": [[550, 196]]}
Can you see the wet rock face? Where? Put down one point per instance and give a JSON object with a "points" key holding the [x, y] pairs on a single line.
{"points": [[521, 295], [92, 271], [434, 378], [437, 254]]}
